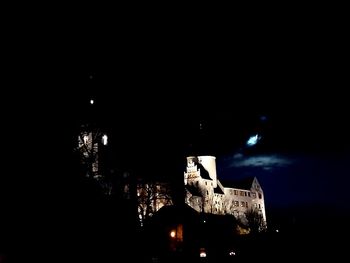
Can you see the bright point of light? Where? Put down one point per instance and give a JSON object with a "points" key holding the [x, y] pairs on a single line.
{"points": [[203, 254], [232, 253], [86, 139], [92, 102], [172, 233], [204, 221], [253, 140], [105, 139], [277, 231]]}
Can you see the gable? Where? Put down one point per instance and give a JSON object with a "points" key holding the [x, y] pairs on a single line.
{"points": [[255, 185]]}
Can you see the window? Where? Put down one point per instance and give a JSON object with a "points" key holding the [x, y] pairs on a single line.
{"points": [[241, 193], [249, 194], [236, 192], [104, 139], [245, 193], [206, 183], [254, 195], [242, 204], [259, 206], [260, 196], [236, 203], [246, 204], [207, 192]]}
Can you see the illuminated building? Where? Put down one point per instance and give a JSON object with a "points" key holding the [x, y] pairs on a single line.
{"points": [[205, 193]]}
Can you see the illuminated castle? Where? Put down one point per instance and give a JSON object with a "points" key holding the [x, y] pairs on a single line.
{"points": [[205, 193]]}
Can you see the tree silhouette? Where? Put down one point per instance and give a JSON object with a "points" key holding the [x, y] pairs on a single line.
{"points": [[255, 221], [151, 196], [90, 142]]}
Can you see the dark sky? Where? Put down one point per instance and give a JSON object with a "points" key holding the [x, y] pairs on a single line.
{"points": [[301, 158], [285, 83], [154, 80], [154, 84]]}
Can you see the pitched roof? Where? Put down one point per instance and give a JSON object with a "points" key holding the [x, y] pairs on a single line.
{"points": [[245, 183], [218, 190]]}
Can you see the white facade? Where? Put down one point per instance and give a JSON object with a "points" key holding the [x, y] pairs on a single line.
{"points": [[205, 193]]}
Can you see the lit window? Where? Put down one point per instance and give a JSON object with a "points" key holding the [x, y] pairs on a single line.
{"points": [[86, 139], [105, 139], [172, 233]]}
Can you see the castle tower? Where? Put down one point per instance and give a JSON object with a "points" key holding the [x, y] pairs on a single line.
{"points": [[209, 163]]}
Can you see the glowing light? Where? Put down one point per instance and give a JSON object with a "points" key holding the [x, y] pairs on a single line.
{"points": [[86, 139], [202, 253], [92, 102], [105, 139], [232, 253], [253, 140], [173, 233], [277, 231]]}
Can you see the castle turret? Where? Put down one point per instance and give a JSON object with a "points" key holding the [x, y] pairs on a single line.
{"points": [[209, 163]]}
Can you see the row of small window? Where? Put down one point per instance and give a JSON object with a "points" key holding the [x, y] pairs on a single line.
{"points": [[245, 193], [245, 204]]}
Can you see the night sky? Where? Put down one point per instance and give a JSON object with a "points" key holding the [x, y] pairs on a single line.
{"points": [[283, 79], [302, 153], [285, 84]]}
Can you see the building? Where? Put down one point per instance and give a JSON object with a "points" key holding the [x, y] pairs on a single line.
{"points": [[205, 193]]}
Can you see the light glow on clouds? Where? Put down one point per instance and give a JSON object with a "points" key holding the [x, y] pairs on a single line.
{"points": [[267, 162]]}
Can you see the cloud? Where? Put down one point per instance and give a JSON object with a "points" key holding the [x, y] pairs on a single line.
{"points": [[267, 162], [238, 156]]}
